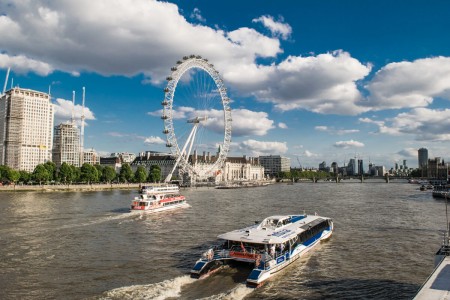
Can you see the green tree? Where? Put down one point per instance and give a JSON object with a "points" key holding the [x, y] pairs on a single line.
{"points": [[76, 174], [41, 174], [51, 169], [13, 176], [126, 174], [140, 175], [155, 174], [89, 173], [109, 174], [65, 174], [24, 176], [4, 172], [99, 172]]}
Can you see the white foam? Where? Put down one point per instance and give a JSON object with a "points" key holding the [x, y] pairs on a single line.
{"points": [[162, 290], [236, 293]]}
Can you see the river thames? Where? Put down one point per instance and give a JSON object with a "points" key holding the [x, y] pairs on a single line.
{"points": [[86, 245]]}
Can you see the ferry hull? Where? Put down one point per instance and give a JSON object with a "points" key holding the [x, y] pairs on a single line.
{"points": [[159, 209]]}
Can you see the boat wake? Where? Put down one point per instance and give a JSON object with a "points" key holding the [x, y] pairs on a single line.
{"points": [[237, 293], [170, 288], [100, 220]]}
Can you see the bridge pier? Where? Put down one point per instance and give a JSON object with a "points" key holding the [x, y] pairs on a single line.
{"points": [[386, 177], [362, 178]]}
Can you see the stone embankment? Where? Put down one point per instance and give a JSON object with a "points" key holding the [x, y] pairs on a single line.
{"points": [[69, 188]]}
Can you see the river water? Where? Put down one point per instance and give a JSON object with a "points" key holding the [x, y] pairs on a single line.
{"points": [[86, 245]]}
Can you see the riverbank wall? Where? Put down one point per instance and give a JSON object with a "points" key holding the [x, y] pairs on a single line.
{"points": [[69, 188]]}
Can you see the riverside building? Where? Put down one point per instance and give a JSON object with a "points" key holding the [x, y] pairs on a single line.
{"points": [[66, 145], [26, 128], [274, 164]]}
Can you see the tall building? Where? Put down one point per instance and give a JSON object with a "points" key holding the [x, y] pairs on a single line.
{"points": [[351, 167], [360, 167], [273, 164], [26, 128], [66, 145], [423, 158]]}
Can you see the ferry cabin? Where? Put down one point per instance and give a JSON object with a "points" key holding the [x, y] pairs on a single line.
{"points": [[146, 201]]}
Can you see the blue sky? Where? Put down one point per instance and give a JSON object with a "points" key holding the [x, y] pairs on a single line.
{"points": [[312, 80]]}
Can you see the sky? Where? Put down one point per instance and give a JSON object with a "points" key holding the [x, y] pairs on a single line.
{"points": [[310, 80]]}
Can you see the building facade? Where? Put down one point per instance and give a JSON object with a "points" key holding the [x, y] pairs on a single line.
{"points": [[91, 157], [66, 145], [436, 169], [423, 158], [26, 129], [274, 164], [235, 168]]}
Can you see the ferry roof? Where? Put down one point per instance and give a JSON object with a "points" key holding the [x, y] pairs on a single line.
{"points": [[274, 229], [438, 284]]}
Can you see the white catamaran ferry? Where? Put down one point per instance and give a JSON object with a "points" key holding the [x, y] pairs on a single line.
{"points": [[271, 245], [158, 198]]}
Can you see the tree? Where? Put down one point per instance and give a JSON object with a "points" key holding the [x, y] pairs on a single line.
{"points": [[13, 176], [40, 174], [99, 171], [4, 172], [89, 173], [126, 174], [65, 174], [109, 174], [155, 174], [51, 169], [24, 176], [76, 174], [140, 175]]}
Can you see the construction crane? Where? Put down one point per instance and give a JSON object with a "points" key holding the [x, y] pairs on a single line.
{"points": [[6, 81]]}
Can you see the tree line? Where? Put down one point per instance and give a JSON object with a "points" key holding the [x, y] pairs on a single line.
{"points": [[87, 173]]}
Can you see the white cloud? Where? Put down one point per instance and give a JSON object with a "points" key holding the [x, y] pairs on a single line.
{"points": [[197, 15], [408, 152], [309, 154], [410, 84], [423, 123], [114, 38], [154, 140], [63, 112], [325, 83], [348, 144], [332, 130], [256, 148], [245, 122], [23, 64], [282, 125], [126, 37], [277, 28]]}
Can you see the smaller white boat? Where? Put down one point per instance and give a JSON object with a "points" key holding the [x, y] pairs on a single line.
{"points": [[158, 198]]}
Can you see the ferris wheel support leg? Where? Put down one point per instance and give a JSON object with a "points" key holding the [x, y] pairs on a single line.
{"points": [[169, 176]]}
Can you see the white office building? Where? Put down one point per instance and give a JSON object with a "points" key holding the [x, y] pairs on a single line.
{"points": [[26, 129]]}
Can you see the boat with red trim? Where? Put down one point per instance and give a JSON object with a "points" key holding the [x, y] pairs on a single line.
{"points": [[158, 198], [270, 246]]}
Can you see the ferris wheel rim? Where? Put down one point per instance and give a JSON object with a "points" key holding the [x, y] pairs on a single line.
{"points": [[188, 63]]}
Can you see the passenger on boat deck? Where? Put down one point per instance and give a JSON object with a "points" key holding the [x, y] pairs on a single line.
{"points": [[272, 250], [281, 248]]}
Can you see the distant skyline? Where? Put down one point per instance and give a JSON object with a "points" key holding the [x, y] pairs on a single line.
{"points": [[311, 80]]}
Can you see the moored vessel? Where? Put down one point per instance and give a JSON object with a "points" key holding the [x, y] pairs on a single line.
{"points": [[158, 198], [270, 246]]}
